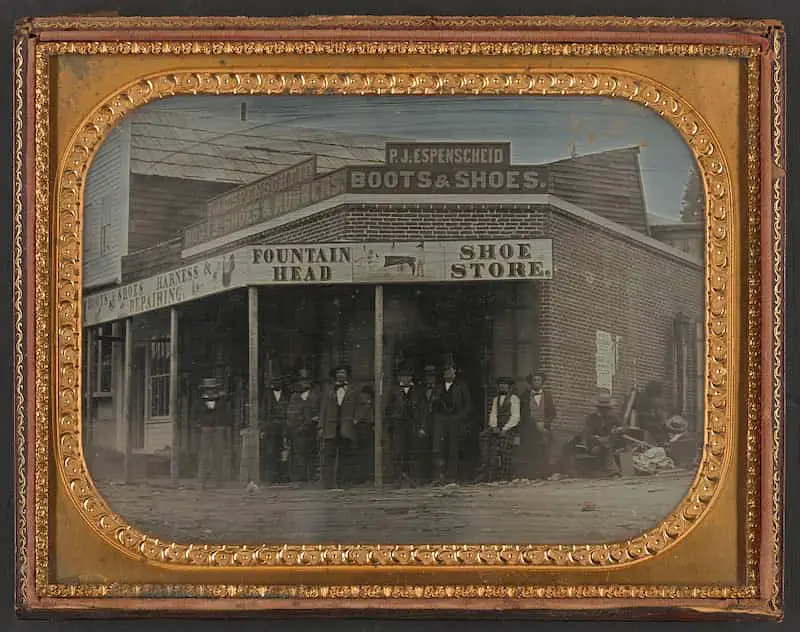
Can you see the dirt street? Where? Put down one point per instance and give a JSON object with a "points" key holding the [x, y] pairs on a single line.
{"points": [[566, 511]]}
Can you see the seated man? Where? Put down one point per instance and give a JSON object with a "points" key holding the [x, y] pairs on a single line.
{"points": [[595, 450]]}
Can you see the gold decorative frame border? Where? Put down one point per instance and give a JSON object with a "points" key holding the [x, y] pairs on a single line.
{"points": [[67, 380], [387, 23]]}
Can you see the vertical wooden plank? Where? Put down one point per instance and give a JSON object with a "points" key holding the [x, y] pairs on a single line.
{"points": [[88, 389], [127, 385], [378, 386], [252, 321], [249, 465], [173, 395]]}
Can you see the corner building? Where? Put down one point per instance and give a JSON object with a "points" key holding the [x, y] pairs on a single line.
{"points": [[508, 268]]}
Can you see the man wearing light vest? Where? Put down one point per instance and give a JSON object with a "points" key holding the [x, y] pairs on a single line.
{"points": [[501, 435]]}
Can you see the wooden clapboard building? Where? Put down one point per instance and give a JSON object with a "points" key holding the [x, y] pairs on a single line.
{"points": [[373, 253]]}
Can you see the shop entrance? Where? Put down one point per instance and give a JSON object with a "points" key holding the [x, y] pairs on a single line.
{"points": [[433, 323]]}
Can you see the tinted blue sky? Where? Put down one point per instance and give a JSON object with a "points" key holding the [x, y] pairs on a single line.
{"points": [[541, 129]]}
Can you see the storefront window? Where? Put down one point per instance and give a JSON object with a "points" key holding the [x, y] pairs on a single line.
{"points": [[159, 379], [102, 365]]}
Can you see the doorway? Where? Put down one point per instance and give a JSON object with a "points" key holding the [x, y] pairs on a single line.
{"points": [[434, 323]]}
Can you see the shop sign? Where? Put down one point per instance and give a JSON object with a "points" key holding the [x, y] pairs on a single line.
{"points": [[446, 179], [415, 155], [252, 192], [187, 283], [401, 262], [321, 264], [410, 168], [262, 209]]}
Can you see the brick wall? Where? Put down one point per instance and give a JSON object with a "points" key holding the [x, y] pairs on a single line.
{"points": [[602, 281], [381, 222]]}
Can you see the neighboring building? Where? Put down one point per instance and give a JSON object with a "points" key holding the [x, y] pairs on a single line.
{"points": [[509, 267], [686, 236]]}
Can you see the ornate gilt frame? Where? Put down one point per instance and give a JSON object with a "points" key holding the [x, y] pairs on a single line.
{"points": [[56, 498]]}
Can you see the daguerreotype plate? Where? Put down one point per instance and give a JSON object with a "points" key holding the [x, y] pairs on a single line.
{"points": [[399, 314]]}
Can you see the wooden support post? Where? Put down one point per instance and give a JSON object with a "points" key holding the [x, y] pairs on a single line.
{"points": [[250, 467], [88, 389], [127, 386], [174, 458], [378, 386]]}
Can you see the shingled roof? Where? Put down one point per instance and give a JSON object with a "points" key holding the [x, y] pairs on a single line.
{"points": [[607, 183], [227, 150]]}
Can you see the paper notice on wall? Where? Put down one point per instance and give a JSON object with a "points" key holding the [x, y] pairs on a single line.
{"points": [[606, 360]]}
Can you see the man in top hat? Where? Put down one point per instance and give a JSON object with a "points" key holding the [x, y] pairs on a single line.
{"points": [[501, 435], [273, 412], [452, 410], [402, 421], [337, 431], [532, 460], [600, 440], [421, 453], [215, 419], [301, 427]]}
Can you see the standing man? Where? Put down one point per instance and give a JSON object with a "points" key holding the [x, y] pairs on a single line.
{"points": [[452, 409], [301, 427], [422, 441], [538, 417], [337, 431], [402, 418], [501, 435], [215, 420], [363, 461], [274, 408]]}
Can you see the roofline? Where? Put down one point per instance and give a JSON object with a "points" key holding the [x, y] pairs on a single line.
{"points": [[623, 231], [470, 198]]}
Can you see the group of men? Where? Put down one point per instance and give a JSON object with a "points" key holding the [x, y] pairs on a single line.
{"points": [[309, 433], [329, 432]]}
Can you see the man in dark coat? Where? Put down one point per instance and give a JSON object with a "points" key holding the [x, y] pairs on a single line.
{"points": [[402, 421], [301, 425], [651, 414], [597, 446], [363, 455], [501, 435], [452, 410], [422, 443], [215, 419], [273, 410], [337, 431], [532, 460]]}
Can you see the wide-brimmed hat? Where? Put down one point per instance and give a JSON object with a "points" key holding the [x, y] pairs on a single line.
{"points": [[406, 370], [677, 424], [430, 369], [505, 379]]}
